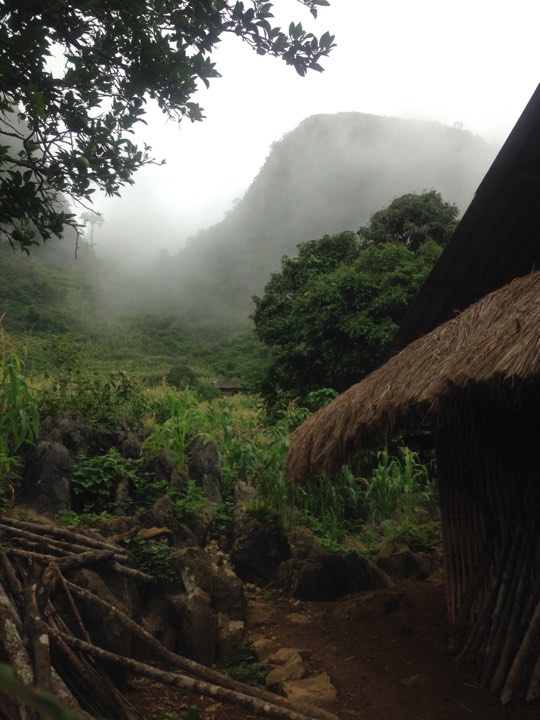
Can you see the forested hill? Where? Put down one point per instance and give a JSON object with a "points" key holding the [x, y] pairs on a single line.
{"points": [[329, 174]]}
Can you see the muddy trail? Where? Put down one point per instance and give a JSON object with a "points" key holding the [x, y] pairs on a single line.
{"points": [[385, 654]]}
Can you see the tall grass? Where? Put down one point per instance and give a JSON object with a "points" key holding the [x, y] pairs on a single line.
{"points": [[252, 447], [331, 506], [185, 418], [19, 415], [394, 485]]}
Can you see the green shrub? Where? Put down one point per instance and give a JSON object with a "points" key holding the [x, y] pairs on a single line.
{"points": [[242, 664], [190, 501], [19, 416], [95, 480], [152, 557], [107, 401], [181, 376], [332, 506]]}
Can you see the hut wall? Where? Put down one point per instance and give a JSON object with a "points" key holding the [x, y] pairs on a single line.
{"points": [[488, 457]]}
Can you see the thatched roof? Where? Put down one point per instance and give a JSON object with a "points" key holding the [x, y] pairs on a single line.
{"points": [[496, 341], [495, 241]]}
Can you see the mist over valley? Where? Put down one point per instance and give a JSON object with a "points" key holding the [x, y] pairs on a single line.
{"points": [[328, 175]]}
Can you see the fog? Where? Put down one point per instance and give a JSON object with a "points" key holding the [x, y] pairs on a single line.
{"points": [[474, 64]]}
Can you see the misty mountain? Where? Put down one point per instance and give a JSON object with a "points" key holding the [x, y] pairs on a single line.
{"points": [[328, 175]]}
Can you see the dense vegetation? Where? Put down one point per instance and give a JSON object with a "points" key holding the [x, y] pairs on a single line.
{"points": [[150, 374], [327, 318], [394, 488], [330, 314]]}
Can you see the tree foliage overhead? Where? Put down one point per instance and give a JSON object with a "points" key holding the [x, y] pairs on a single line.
{"points": [[75, 76], [330, 314]]}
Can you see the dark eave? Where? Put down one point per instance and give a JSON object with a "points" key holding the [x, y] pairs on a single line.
{"points": [[497, 240]]}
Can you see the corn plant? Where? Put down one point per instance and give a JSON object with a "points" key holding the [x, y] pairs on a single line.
{"points": [[19, 417], [187, 419], [394, 485], [331, 505]]}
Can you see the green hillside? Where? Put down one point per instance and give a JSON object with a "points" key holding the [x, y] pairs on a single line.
{"points": [[328, 175]]}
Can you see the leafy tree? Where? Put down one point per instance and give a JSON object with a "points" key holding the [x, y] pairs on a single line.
{"points": [[412, 219], [330, 314], [65, 122]]}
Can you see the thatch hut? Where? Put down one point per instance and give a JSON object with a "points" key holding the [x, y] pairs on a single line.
{"points": [[476, 380]]}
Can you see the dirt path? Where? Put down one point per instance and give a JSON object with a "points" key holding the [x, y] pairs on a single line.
{"points": [[385, 653]]}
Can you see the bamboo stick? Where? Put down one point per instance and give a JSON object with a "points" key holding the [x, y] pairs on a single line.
{"points": [[65, 534], [496, 636], [529, 642], [515, 612], [190, 666], [181, 681]]}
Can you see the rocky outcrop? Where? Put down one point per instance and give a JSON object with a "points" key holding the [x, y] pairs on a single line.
{"points": [[198, 608], [200, 613], [204, 467], [47, 478], [316, 573], [77, 434], [398, 561], [162, 514], [258, 548]]}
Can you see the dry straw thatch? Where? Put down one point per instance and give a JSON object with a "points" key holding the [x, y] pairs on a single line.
{"points": [[495, 343]]}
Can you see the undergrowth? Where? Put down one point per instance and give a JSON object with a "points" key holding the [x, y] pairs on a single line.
{"points": [[242, 664], [152, 557], [386, 495]]}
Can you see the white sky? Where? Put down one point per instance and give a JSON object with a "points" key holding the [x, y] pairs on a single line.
{"points": [[469, 61]]}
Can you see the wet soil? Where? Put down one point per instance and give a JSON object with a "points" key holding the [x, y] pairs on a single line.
{"points": [[385, 652]]}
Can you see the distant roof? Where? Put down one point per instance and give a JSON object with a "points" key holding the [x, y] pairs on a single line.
{"points": [[225, 385], [497, 240]]}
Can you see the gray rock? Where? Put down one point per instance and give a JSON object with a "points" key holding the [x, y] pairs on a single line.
{"points": [[244, 495], [184, 622], [204, 466], [163, 469], [258, 549], [161, 514], [122, 492], [198, 634], [102, 625], [121, 593], [214, 576], [399, 561], [47, 478], [317, 573], [130, 445], [202, 524], [77, 434], [228, 593], [231, 635], [289, 666], [161, 620], [195, 567], [264, 647], [317, 689]]}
